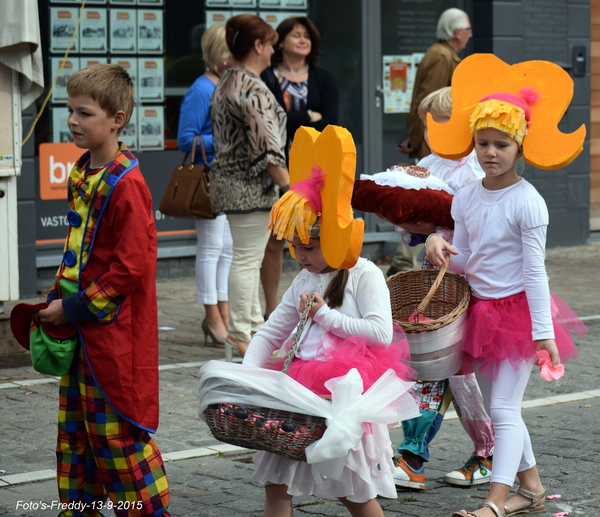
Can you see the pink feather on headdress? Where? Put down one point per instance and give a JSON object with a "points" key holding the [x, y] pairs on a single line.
{"points": [[530, 95], [310, 188]]}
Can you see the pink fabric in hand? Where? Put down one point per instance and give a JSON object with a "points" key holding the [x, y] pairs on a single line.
{"points": [[547, 372], [417, 317]]}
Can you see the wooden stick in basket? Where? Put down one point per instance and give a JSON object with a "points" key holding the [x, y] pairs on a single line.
{"points": [[434, 287]]}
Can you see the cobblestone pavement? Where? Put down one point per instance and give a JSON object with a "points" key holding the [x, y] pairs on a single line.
{"points": [[562, 417]]}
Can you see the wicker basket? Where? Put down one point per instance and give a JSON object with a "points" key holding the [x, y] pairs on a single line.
{"points": [[266, 429], [280, 432], [436, 345]]}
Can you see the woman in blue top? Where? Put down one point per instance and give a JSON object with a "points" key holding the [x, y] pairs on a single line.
{"points": [[214, 253]]}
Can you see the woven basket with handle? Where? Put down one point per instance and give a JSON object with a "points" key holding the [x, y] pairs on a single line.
{"points": [[442, 297], [281, 432]]}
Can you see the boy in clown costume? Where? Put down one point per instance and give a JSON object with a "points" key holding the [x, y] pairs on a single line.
{"points": [[105, 287]]}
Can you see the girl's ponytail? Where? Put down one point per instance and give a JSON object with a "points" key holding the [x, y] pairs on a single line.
{"points": [[334, 295]]}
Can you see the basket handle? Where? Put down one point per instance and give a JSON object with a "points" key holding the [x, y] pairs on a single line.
{"points": [[434, 287]]}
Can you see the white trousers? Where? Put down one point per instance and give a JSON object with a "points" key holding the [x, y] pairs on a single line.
{"points": [[250, 236], [213, 259], [503, 398]]}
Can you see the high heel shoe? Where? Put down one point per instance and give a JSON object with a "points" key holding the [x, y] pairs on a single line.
{"points": [[216, 340], [240, 346]]}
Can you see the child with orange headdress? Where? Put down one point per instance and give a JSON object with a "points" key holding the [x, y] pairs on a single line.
{"points": [[499, 245], [349, 326]]}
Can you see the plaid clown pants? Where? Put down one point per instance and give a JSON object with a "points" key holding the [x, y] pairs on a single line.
{"points": [[103, 461]]}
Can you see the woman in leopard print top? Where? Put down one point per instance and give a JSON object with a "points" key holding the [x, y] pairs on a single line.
{"points": [[249, 168]]}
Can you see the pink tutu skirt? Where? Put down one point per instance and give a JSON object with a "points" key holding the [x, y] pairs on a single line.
{"points": [[500, 330], [341, 355]]}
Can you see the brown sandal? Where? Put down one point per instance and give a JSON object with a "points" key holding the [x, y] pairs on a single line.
{"points": [[486, 504], [533, 507]]}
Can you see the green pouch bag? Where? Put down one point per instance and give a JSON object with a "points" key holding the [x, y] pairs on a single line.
{"points": [[52, 347]]}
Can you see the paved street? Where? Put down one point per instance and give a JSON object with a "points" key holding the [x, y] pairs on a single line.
{"points": [[211, 479]]}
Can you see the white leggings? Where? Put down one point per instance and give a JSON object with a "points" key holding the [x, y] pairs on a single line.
{"points": [[213, 259], [503, 398]]}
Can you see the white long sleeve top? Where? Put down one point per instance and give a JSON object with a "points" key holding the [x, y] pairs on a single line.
{"points": [[366, 312], [456, 173], [500, 236]]}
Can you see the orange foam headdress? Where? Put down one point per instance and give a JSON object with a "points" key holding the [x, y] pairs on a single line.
{"points": [[476, 103], [322, 167]]}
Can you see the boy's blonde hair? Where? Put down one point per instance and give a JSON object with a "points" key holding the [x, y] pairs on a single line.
{"points": [[438, 102], [109, 85], [214, 48]]}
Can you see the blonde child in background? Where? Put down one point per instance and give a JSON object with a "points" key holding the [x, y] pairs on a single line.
{"points": [[462, 389]]}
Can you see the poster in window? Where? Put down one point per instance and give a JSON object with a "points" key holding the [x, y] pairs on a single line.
{"points": [[151, 79], [297, 4], [269, 4], [71, 65], [128, 134], [77, 2], [89, 61], [92, 31], [123, 31], [63, 21], [60, 129], [274, 18], [398, 80], [131, 66], [150, 31], [151, 128], [214, 17]]}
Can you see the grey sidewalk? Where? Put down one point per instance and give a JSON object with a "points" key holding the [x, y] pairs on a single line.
{"points": [[565, 435]]}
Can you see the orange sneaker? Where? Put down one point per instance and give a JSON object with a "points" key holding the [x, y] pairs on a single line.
{"points": [[406, 476], [476, 471]]}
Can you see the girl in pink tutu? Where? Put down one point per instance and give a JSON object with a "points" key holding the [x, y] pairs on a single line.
{"points": [[349, 326], [499, 245]]}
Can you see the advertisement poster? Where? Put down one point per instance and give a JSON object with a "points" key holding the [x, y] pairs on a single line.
{"points": [[150, 79], [151, 128], [123, 31], [63, 21], [274, 18], [88, 61], [131, 65], [71, 65], [129, 133], [298, 4], [214, 17], [60, 129], [93, 30], [150, 32], [77, 2], [398, 80]]}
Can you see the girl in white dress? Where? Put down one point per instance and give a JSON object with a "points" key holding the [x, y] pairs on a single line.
{"points": [[349, 326]]}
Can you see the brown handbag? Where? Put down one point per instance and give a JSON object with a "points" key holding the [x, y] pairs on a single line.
{"points": [[188, 192]]}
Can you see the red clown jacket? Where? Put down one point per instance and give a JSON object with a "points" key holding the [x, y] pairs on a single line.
{"points": [[111, 251]]}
